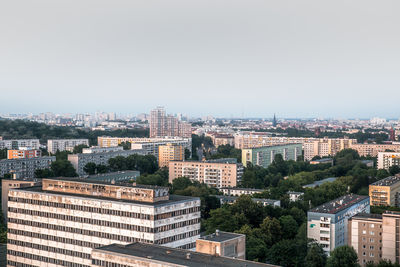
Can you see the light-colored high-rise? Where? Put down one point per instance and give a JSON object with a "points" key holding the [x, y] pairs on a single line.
{"points": [[215, 173], [388, 159], [24, 168], [54, 145], [59, 223], [18, 143], [167, 125], [373, 149], [170, 152]]}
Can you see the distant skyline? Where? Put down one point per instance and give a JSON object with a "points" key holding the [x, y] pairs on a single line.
{"points": [[298, 59]]}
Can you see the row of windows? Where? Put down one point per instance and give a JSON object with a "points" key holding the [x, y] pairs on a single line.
{"points": [[105, 211], [101, 263], [127, 239], [177, 237], [96, 222], [49, 249], [41, 258]]}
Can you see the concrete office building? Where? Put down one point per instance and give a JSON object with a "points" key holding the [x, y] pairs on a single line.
{"points": [[264, 156], [170, 152], [373, 149], [385, 192], [221, 173], [79, 161], [327, 224], [375, 237], [365, 236], [24, 168], [237, 191], [166, 125], [223, 244], [6, 184], [59, 223], [388, 159], [54, 145], [18, 143], [148, 255], [23, 152]]}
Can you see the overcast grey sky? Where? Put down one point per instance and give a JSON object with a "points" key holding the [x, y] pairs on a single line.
{"points": [[300, 58]]}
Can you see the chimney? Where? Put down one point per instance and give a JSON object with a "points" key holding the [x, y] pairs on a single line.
{"points": [[188, 256]]}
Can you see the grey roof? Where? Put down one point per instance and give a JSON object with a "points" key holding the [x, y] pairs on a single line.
{"points": [[176, 256], [113, 175], [367, 216], [172, 198], [242, 188], [322, 160], [320, 182], [388, 181], [220, 236], [339, 204]]}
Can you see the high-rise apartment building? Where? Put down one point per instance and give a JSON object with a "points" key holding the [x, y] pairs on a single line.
{"points": [[375, 237], [23, 152], [18, 143], [24, 168], [385, 192], [54, 145], [373, 149], [215, 173], [324, 147], [167, 125], [170, 152], [59, 223], [388, 159], [327, 224], [264, 156]]}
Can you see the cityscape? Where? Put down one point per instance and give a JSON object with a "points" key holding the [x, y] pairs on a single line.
{"points": [[199, 133]]}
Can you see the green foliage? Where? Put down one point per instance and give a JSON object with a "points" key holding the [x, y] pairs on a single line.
{"points": [[316, 256], [126, 145], [145, 164], [159, 178], [58, 168], [79, 148], [3, 153], [394, 170], [289, 226], [227, 151], [90, 168], [344, 256], [382, 263], [288, 253]]}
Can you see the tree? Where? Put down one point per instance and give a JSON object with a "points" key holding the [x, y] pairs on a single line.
{"points": [[343, 256], [3, 153], [79, 148], [395, 169], [288, 253], [271, 231], [289, 226], [126, 145], [316, 256], [90, 168], [63, 168], [180, 183]]}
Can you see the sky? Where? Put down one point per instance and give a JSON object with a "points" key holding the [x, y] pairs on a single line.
{"points": [[248, 58]]}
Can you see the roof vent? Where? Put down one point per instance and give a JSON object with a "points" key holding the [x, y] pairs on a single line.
{"points": [[168, 251], [188, 256], [217, 232], [149, 257]]}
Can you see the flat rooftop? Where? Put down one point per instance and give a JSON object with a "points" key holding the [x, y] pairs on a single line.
{"points": [[172, 198], [339, 204], [113, 175], [367, 216], [220, 236], [176, 256], [320, 182], [388, 181], [242, 188]]}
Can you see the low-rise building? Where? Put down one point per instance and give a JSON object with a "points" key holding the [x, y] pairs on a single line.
{"points": [[385, 192], [264, 156], [263, 201], [54, 145], [148, 255], [215, 173], [388, 159], [61, 222], [24, 168], [237, 191], [79, 161], [23, 152], [170, 152], [328, 224], [223, 244], [295, 196]]}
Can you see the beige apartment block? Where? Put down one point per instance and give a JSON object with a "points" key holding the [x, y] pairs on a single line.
{"points": [[324, 147], [170, 152], [385, 192], [388, 159], [223, 244], [373, 149], [375, 237], [365, 235], [215, 173]]}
